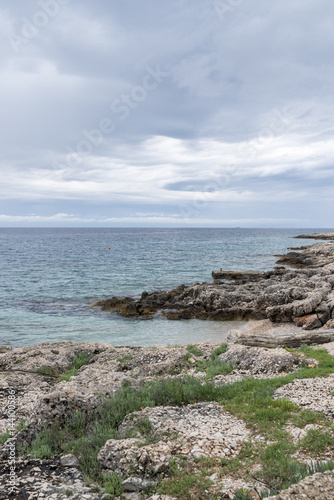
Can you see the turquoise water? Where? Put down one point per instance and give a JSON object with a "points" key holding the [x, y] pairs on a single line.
{"points": [[51, 277]]}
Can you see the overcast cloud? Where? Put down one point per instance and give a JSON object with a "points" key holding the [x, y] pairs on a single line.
{"points": [[153, 113]]}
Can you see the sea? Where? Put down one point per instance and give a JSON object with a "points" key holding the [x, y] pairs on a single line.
{"points": [[52, 277]]}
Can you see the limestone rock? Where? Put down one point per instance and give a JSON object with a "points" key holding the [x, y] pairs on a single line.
{"points": [[271, 335], [261, 360], [136, 484], [280, 295], [319, 486], [69, 461], [5, 348], [311, 394], [308, 322], [194, 431], [317, 236]]}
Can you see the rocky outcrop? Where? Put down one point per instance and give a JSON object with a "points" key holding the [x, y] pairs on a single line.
{"points": [[45, 479], [259, 360], [238, 275], [304, 295], [316, 487], [317, 236], [277, 337]]}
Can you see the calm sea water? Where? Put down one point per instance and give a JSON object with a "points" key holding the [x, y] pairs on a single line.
{"points": [[51, 277]]}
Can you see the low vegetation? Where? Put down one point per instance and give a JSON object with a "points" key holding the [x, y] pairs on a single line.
{"points": [[214, 365], [194, 350], [252, 400], [79, 361]]}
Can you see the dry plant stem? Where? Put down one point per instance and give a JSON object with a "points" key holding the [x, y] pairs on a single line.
{"points": [[29, 371]]}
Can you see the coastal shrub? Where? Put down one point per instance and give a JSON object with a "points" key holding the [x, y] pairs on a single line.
{"points": [[79, 361], [4, 436], [46, 444], [299, 471], [219, 367], [218, 351], [112, 483], [194, 350], [46, 370], [144, 426], [214, 365], [22, 424]]}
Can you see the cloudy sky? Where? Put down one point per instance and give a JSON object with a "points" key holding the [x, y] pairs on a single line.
{"points": [[167, 113]]}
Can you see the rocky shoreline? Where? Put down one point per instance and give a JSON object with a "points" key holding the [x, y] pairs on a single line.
{"points": [[303, 293], [205, 421]]}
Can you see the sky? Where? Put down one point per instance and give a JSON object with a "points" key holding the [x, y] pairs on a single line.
{"points": [[186, 113]]}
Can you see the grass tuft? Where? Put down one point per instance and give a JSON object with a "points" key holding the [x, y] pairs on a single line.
{"points": [[79, 361], [316, 441], [194, 350]]}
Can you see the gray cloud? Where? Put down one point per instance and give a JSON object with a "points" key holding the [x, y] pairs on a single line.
{"points": [[186, 110]]}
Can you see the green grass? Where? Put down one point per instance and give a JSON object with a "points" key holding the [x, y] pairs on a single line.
{"points": [[242, 494], [128, 357], [185, 482], [79, 361], [84, 434], [112, 483], [316, 441], [219, 350], [194, 350], [214, 365], [22, 424], [278, 469], [144, 426], [293, 473]]}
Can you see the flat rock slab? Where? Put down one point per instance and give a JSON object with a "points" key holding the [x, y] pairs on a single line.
{"points": [[266, 334], [237, 275], [194, 431], [263, 360]]}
